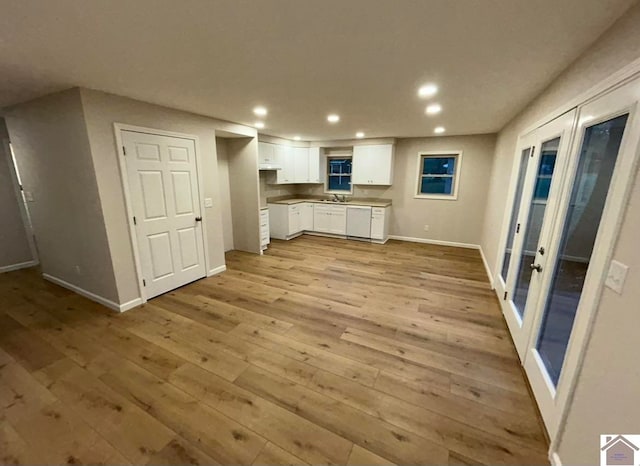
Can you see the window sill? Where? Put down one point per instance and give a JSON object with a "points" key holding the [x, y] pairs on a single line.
{"points": [[438, 197], [346, 193]]}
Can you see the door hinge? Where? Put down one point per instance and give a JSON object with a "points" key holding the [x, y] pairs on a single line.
{"points": [[144, 282], [505, 296], [533, 149], [124, 150], [135, 222], [518, 228]]}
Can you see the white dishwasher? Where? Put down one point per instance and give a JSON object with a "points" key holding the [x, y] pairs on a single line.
{"points": [[359, 221]]}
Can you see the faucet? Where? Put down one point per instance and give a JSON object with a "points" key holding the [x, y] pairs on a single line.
{"points": [[336, 198]]}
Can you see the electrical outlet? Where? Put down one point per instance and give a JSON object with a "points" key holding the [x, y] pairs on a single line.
{"points": [[616, 276], [78, 270], [208, 202], [426, 228]]}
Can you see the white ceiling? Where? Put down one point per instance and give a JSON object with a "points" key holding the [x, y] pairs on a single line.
{"points": [[303, 59]]}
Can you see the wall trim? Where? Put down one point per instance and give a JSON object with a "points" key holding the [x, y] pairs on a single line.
{"points": [[82, 292], [18, 266], [486, 267], [130, 304], [555, 459], [216, 270], [435, 241]]}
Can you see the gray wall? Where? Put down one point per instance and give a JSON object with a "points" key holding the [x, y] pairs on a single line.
{"points": [[54, 158], [14, 245], [102, 111], [225, 194], [458, 220], [609, 381]]}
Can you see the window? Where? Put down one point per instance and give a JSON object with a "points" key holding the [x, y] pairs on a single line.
{"points": [[438, 175], [339, 174]]}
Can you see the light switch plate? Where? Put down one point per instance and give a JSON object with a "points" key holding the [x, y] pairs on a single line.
{"points": [[208, 202], [28, 195], [616, 276]]}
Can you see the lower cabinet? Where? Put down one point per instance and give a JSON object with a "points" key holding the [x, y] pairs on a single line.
{"points": [[330, 219], [289, 220], [380, 223], [265, 236]]}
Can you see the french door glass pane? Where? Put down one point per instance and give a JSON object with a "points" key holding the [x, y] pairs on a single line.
{"points": [[595, 168], [524, 158], [548, 153]]}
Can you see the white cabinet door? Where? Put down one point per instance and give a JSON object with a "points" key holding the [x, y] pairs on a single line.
{"points": [[321, 219], [163, 180], [284, 156], [377, 223], [266, 153], [373, 164], [306, 216], [301, 164], [294, 219], [315, 168], [338, 220]]}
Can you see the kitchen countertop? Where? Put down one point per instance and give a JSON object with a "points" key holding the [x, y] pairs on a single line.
{"points": [[363, 202]]}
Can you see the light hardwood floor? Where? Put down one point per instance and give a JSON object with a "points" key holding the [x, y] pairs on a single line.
{"points": [[321, 351]]}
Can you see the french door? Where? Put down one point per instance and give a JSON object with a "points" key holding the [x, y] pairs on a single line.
{"points": [[550, 306], [543, 158]]}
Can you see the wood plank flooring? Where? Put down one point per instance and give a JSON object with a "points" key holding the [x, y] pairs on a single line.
{"points": [[322, 351]]}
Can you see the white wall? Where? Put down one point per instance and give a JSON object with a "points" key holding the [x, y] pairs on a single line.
{"points": [[14, 245], [102, 111], [458, 220], [605, 399], [54, 158]]}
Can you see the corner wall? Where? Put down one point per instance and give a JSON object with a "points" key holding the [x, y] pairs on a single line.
{"points": [[15, 251], [102, 110], [53, 154]]}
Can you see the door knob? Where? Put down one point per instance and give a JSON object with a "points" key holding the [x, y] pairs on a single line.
{"points": [[536, 267], [198, 219]]}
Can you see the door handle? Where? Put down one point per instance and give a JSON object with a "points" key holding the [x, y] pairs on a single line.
{"points": [[536, 267], [198, 219], [541, 250]]}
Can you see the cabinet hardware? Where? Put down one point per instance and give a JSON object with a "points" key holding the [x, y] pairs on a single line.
{"points": [[536, 267]]}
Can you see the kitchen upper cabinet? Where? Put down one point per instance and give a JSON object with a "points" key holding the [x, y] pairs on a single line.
{"points": [[373, 164], [284, 156], [316, 170], [266, 153], [300, 164]]}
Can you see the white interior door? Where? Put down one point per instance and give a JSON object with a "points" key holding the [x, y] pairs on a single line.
{"points": [[544, 153], [599, 176], [163, 184]]}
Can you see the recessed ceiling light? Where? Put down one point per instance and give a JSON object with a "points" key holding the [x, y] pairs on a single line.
{"points": [[359, 134], [433, 109], [439, 130], [296, 138], [333, 118], [259, 125], [428, 90], [260, 111]]}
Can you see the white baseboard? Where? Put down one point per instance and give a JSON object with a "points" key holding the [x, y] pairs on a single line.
{"points": [[87, 294], [555, 459], [216, 271], [486, 267], [452, 244], [130, 304], [435, 241], [21, 265]]}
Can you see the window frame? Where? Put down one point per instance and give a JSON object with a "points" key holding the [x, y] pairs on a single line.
{"points": [[456, 175], [328, 174]]}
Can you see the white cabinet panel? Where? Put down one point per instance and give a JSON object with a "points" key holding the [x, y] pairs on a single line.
{"points": [[306, 216], [294, 220], [338, 220], [300, 164], [316, 169], [373, 164], [321, 216], [284, 156], [380, 217], [266, 153]]}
